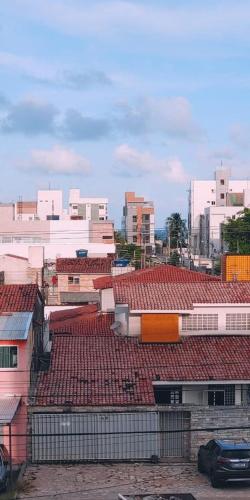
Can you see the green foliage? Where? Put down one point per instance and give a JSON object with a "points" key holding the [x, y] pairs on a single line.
{"points": [[119, 238], [236, 233], [177, 231], [174, 259], [130, 251]]}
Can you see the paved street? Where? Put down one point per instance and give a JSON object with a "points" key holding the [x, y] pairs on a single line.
{"points": [[104, 482]]}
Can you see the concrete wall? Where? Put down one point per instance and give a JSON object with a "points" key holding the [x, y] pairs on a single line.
{"points": [[49, 202], [227, 416], [107, 300], [86, 283]]}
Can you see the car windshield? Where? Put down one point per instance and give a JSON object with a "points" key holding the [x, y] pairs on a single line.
{"points": [[236, 453]]}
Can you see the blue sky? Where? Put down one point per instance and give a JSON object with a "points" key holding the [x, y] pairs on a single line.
{"points": [[112, 96]]}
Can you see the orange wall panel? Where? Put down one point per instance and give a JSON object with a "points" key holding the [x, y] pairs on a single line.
{"points": [[236, 268], [160, 328]]}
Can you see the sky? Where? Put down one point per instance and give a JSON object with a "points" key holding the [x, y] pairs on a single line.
{"points": [[113, 96]]}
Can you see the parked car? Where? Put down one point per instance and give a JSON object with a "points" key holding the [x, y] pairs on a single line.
{"points": [[4, 467], [225, 460]]}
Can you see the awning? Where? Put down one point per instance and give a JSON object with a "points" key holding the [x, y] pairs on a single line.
{"points": [[8, 408], [79, 297]]}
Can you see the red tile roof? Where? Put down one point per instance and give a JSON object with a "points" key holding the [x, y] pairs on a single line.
{"points": [[159, 274], [88, 265], [57, 318], [95, 370], [179, 296], [18, 298], [84, 324]]}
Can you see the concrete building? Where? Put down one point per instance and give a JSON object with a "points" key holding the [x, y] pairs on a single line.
{"points": [[23, 270], [127, 394], [92, 209], [138, 222], [21, 345], [212, 203], [75, 279], [45, 223]]}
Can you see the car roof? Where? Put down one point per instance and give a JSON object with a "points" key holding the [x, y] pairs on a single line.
{"points": [[233, 445]]}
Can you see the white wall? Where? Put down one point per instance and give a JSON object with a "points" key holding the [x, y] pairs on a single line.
{"points": [[49, 202], [222, 311], [15, 270], [107, 300], [59, 250], [134, 325]]}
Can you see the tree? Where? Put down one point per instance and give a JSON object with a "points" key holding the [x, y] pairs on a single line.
{"points": [[174, 259], [119, 238], [177, 231], [236, 233]]}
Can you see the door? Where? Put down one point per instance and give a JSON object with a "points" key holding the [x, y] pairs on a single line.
{"points": [[174, 444]]}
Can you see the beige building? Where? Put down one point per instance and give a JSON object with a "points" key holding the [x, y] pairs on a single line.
{"points": [[22, 270], [75, 279]]}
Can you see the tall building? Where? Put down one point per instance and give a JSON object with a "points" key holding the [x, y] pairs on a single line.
{"points": [[138, 222], [93, 209], [59, 231], [212, 203]]}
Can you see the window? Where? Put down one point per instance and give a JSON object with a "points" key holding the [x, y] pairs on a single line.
{"points": [[101, 207], [74, 280], [145, 218], [101, 218], [222, 196], [222, 182], [8, 357], [134, 239], [213, 202], [168, 395], [107, 237], [134, 218], [134, 228], [75, 207], [221, 395], [199, 322], [238, 321]]}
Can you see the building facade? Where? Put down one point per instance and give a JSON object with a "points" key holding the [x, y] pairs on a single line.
{"points": [[138, 222], [212, 203], [93, 209]]}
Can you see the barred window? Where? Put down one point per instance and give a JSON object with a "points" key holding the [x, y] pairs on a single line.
{"points": [[199, 322], [8, 357], [221, 395], [238, 321]]}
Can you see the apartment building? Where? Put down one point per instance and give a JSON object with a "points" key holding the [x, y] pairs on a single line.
{"points": [[94, 209], [212, 203], [138, 222], [46, 223]]}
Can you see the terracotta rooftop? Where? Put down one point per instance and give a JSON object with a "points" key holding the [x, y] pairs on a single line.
{"points": [[179, 296], [159, 274], [97, 370], [83, 323], [18, 298], [88, 265]]}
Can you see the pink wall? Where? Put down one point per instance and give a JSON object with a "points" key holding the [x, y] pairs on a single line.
{"points": [[16, 381]]}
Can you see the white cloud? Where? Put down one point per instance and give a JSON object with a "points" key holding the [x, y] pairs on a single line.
{"points": [[198, 19], [171, 116], [57, 160], [240, 135], [131, 162]]}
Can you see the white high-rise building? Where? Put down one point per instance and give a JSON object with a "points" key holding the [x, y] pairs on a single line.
{"points": [[93, 209], [212, 203]]}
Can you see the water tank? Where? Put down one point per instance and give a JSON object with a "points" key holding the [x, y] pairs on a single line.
{"points": [[121, 262], [81, 253]]}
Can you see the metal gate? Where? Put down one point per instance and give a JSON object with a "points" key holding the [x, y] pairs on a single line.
{"points": [[174, 444], [94, 436]]}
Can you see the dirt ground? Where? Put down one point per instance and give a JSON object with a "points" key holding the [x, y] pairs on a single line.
{"points": [[104, 482]]}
